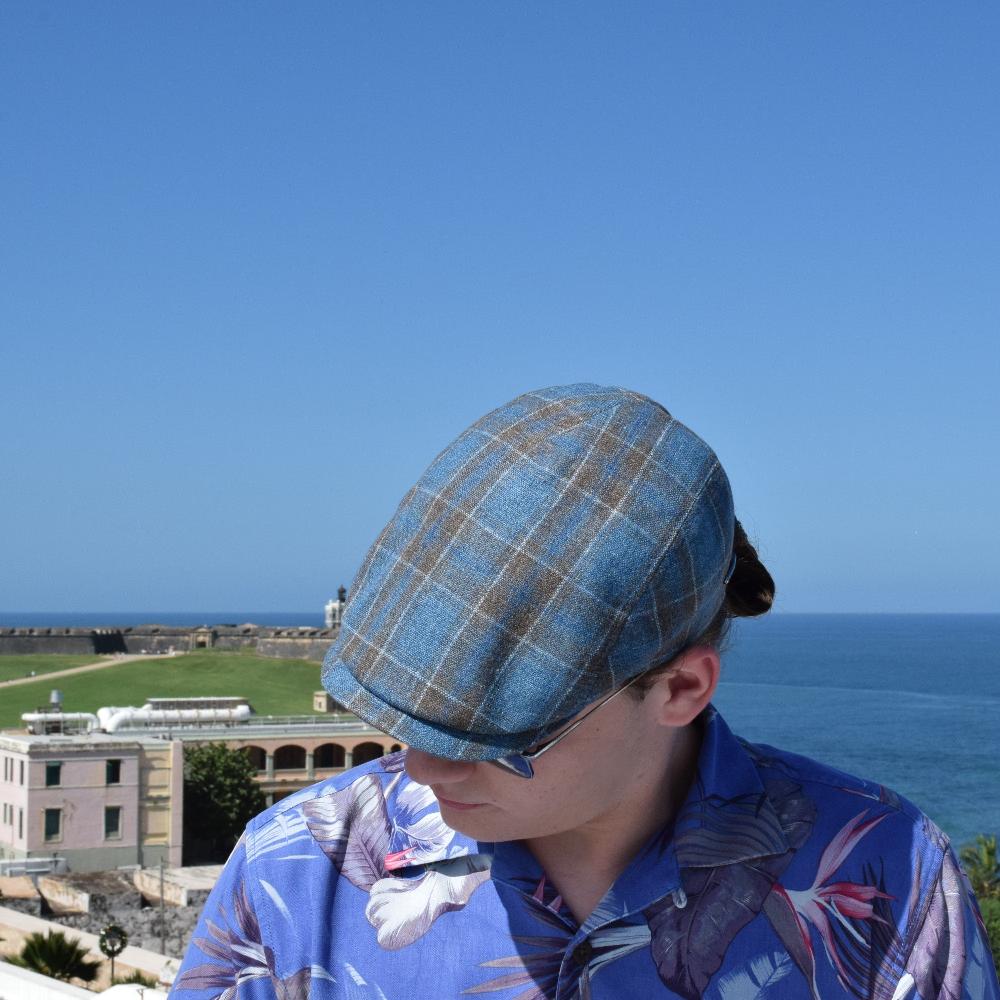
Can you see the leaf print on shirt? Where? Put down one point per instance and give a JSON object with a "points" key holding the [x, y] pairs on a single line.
{"points": [[689, 943], [418, 839], [285, 830], [840, 912], [762, 980], [392, 763], [354, 986], [974, 984], [611, 944], [537, 972], [884, 796], [240, 957], [402, 910], [937, 960], [737, 827], [352, 828]]}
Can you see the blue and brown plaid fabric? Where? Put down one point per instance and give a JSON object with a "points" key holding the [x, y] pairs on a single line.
{"points": [[562, 544]]}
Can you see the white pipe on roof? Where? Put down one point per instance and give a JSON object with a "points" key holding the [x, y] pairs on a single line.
{"points": [[113, 719], [87, 717]]}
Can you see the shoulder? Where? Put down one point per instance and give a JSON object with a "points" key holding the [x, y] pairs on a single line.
{"points": [[880, 867], [856, 819], [868, 867], [830, 787]]}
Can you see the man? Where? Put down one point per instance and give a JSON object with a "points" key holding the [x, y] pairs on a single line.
{"points": [[540, 624]]}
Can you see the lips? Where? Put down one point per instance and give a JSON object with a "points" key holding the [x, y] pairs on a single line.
{"points": [[461, 806]]}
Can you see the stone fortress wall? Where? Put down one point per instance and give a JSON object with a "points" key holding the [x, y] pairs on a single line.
{"points": [[283, 643], [292, 643]]}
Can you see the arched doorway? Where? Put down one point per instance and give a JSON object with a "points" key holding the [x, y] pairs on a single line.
{"points": [[328, 755], [289, 758], [365, 752]]}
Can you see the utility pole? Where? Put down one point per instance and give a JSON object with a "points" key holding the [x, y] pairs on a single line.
{"points": [[163, 922]]}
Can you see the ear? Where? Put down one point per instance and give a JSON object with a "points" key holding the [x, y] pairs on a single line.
{"points": [[680, 694]]}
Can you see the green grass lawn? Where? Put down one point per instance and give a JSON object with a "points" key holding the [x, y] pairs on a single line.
{"points": [[273, 686], [12, 667]]}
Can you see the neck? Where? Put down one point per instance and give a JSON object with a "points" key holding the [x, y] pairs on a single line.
{"points": [[583, 863]]}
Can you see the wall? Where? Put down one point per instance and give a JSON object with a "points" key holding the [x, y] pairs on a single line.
{"points": [[82, 795], [13, 794], [292, 643], [150, 794], [157, 639], [67, 641], [284, 647], [27, 985], [161, 804], [231, 641], [277, 782]]}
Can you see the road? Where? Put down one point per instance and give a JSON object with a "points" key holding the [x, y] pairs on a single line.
{"points": [[110, 661]]}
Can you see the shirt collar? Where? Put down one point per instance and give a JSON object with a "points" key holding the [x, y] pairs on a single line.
{"points": [[728, 815]]}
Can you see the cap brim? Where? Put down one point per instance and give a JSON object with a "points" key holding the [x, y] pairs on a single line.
{"points": [[431, 737]]}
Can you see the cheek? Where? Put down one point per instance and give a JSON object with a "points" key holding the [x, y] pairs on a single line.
{"points": [[575, 783], [516, 810], [556, 800]]}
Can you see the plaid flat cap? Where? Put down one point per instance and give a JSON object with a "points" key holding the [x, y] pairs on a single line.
{"points": [[564, 543]]}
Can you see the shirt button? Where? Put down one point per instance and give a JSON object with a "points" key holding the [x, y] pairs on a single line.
{"points": [[583, 953]]}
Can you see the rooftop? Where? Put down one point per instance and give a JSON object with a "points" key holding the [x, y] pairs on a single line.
{"points": [[154, 734]]}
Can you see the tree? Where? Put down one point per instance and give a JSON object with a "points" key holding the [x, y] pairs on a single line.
{"points": [[137, 978], [221, 796], [982, 865], [991, 918], [56, 956]]}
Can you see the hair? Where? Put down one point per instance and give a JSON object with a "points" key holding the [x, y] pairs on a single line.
{"points": [[749, 593]]}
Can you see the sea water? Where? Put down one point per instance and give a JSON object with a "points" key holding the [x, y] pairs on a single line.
{"points": [[911, 701]]}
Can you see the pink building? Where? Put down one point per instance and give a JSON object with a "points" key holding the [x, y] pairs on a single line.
{"points": [[97, 800]]}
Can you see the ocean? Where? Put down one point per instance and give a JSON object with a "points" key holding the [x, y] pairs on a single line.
{"points": [[911, 701]]}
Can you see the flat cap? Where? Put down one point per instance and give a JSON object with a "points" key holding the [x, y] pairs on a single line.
{"points": [[567, 541]]}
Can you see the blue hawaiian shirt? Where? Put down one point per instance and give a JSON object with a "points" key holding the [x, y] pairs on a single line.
{"points": [[780, 877]]}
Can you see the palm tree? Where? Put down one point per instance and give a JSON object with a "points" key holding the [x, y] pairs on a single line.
{"points": [[135, 977], [982, 866], [56, 956]]}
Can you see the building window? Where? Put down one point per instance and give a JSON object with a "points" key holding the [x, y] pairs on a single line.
{"points": [[21, 770], [53, 824], [20, 824], [53, 773], [112, 772], [112, 822]]}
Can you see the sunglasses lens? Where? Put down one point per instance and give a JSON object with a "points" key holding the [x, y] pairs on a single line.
{"points": [[516, 763]]}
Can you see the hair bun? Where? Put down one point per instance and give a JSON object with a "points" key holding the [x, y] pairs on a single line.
{"points": [[750, 591]]}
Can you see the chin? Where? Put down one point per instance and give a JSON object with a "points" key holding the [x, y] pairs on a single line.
{"points": [[480, 827]]}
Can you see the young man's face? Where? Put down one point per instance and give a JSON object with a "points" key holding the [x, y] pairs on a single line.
{"points": [[579, 782]]}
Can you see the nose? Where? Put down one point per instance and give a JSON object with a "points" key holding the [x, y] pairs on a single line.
{"points": [[426, 769]]}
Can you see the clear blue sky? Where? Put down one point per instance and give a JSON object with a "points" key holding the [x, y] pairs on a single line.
{"points": [[260, 262]]}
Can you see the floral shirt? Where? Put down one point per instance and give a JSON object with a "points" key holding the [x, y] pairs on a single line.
{"points": [[780, 878]]}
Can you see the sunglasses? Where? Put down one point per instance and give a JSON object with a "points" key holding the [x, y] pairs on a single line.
{"points": [[520, 763]]}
